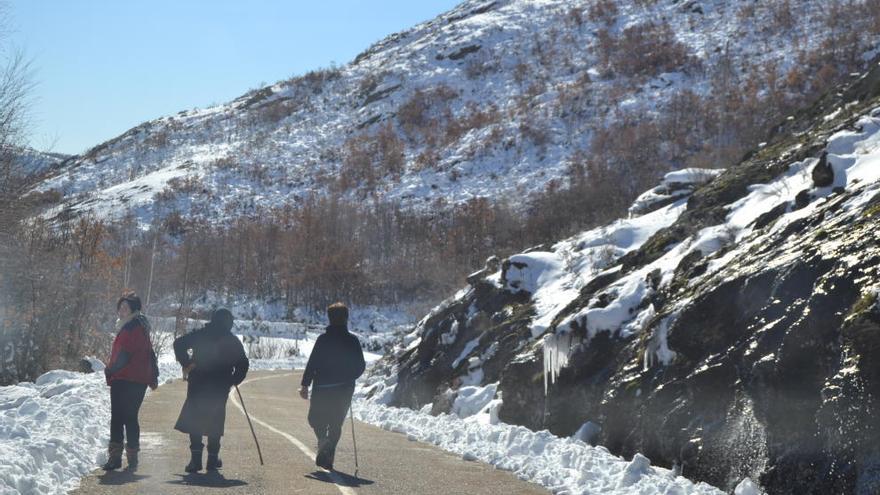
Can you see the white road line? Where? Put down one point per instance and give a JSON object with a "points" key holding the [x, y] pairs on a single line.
{"points": [[337, 480]]}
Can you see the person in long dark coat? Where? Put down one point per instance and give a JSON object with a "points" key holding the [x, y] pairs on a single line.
{"points": [[336, 361], [217, 363]]}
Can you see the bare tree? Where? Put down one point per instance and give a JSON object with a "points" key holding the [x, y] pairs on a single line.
{"points": [[16, 85]]}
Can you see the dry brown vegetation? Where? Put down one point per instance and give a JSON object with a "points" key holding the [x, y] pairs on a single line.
{"points": [[53, 281], [603, 11], [370, 156], [644, 50]]}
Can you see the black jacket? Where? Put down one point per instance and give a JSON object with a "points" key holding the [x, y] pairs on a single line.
{"points": [[336, 359], [220, 363]]}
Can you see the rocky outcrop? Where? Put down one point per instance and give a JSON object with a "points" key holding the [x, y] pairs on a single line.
{"points": [[756, 355], [823, 174]]}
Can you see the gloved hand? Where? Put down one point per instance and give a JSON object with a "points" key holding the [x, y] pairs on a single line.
{"points": [[187, 369]]}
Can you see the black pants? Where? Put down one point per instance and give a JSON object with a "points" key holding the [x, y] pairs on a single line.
{"points": [[125, 403], [196, 445], [327, 412]]}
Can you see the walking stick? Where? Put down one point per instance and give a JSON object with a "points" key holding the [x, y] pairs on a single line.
{"points": [[249, 424], [351, 415]]}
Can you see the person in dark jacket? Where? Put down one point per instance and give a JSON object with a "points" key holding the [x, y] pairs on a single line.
{"points": [[217, 363], [131, 369], [336, 361]]}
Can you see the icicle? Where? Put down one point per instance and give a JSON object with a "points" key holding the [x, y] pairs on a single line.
{"points": [[557, 351], [658, 349]]}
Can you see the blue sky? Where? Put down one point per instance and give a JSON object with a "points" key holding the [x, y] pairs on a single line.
{"points": [[104, 66]]}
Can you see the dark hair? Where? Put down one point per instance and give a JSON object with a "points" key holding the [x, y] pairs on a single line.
{"points": [[133, 301], [337, 313]]}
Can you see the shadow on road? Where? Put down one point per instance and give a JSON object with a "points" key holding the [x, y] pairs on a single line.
{"points": [[212, 480], [116, 478], [342, 479]]}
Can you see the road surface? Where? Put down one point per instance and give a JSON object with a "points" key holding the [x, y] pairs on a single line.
{"points": [[389, 463]]}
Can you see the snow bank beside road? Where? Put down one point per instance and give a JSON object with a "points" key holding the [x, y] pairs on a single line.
{"points": [[51, 431], [563, 465]]}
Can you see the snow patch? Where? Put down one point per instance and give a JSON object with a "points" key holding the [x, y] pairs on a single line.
{"points": [[562, 465], [747, 487]]}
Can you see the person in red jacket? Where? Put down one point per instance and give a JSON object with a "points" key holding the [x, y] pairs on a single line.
{"points": [[131, 369]]}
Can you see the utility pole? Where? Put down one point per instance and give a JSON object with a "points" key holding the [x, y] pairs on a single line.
{"points": [[152, 265]]}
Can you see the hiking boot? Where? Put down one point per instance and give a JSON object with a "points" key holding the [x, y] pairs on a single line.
{"points": [[214, 462], [131, 455], [114, 457], [321, 460], [195, 463]]}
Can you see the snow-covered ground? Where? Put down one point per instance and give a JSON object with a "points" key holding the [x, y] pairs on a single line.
{"points": [[51, 431], [563, 465]]}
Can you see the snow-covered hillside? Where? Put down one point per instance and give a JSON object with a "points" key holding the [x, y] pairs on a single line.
{"points": [[492, 99], [32, 163], [728, 328]]}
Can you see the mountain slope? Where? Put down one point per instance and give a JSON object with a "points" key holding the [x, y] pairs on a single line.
{"points": [[492, 99], [729, 330]]}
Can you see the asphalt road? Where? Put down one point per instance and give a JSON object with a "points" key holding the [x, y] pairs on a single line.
{"points": [[389, 463]]}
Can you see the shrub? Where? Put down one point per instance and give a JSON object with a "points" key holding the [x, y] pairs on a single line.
{"points": [[423, 109], [644, 50], [576, 16], [473, 117], [184, 185], [257, 172], [224, 163], [166, 195], [370, 82], [477, 68], [158, 139], [275, 111], [650, 48], [603, 12], [369, 156], [781, 15], [315, 80]]}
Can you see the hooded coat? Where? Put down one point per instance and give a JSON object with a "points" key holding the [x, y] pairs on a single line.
{"points": [[220, 363]]}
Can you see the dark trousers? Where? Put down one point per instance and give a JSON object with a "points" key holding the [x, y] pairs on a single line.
{"points": [[327, 411], [125, 403], [195, 444]]}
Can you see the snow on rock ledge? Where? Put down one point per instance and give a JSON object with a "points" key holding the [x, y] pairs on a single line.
{"points": [[675, 185]]}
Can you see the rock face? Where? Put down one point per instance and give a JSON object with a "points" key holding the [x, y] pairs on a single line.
{"points": [[85, 366], [823, 174], [755, 354]]}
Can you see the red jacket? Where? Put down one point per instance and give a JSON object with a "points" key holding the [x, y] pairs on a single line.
{"points": [[134, 339]]}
